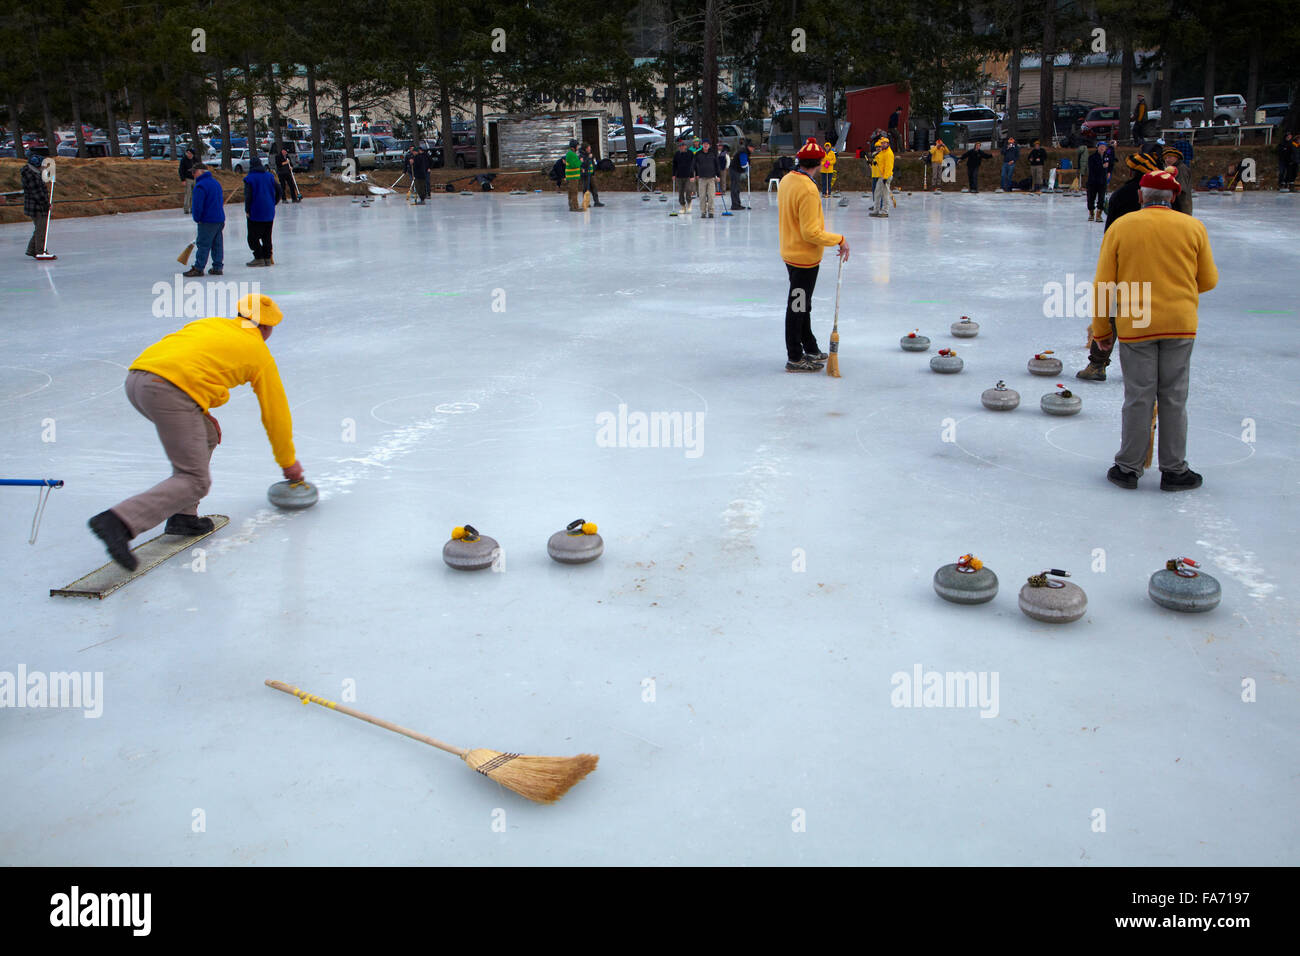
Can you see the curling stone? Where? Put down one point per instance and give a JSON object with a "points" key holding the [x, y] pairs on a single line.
{"points": [[576, 544], [1044, 364], [965, 329], [844, 201], [1064, 402], [466, 192], [946, 362], [999, 398], [292, 495], [915, 342], [645, 198], [518, 192], [1053, 602], [966, 582], [1179, 586], [468, 550]]}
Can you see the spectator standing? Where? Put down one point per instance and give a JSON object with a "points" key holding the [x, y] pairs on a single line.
{"points": [[1284, 149], [706, 173], [1010, 153], [1096, 183], [209, 212], [882, 168], [36, 204], [1037, 160], [938, 152], [1139, 119], [284, 167], [588, 173], [739, 172], [895, 134], [260, 198], [683, 173], [828, 170], [573, 175], [187, 176], [972, 158]]}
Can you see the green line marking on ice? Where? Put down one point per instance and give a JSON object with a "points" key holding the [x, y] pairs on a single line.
{"points": [[1269, 311], [20, 290]]}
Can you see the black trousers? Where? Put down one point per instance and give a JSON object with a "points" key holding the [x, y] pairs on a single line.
{"points": [[259, 239], [799, 336], [422, 188], [286, 186], [1097, 196], [737, 176], [973, 178], [36, 245]]}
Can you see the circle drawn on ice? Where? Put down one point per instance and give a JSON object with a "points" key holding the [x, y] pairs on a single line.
{"points": [[495, 407], [25, 382], [1086, 439], [456, 408]]}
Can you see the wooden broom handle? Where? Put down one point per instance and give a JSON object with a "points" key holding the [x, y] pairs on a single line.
{"points": [[307, 698]]}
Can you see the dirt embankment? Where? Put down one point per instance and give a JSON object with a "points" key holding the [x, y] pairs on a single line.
{"points": [[92, 187]]}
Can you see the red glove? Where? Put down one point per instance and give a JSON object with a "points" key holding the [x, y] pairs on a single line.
{"points": [[215, 424], [293, 472]]}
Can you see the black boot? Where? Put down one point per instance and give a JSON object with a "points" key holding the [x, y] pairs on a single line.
{"points": [[1183, 481], [110, 529], [188, 525], [1124, 479]]}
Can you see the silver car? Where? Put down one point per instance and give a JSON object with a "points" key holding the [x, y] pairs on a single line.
{"points": [[646, 137], [981, 122]]}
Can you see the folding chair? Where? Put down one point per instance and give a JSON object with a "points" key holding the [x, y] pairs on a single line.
{"points": [[646, 175]]}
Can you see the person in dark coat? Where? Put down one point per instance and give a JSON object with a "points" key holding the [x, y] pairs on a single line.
{"points": [[1010, 153], [209, 214], [1098, 174], [260, 198], [1284, 162], [972, 158], [187, 176], [683, 174], [587, 174], [36, 204], [1037, 160], [284, 167], [420, 175], [739, 166]]}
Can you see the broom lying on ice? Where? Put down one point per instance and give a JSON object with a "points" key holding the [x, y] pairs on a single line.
{"points": [[541, 779]]}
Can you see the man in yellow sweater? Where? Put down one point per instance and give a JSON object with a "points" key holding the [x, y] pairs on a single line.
{"points": [[882, 169], [938, 152], [1153, 266], [175, 383], [828, 170], [802, 230]]}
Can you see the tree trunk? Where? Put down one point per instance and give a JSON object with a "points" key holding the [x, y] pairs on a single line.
{"points": [[114, 146], [51, 136], [830, 102], [629, 129], [1125, 88], [317, 142], [1046, 73], [1252, 78], [796, 135], [670, 89], [478, 124], [192, 115], [1167, 94], [16, 129], [223, 116], [250, 116], [1207, 108], [709, 118], [346, 102], [273, 92], [144, 119], [444, 107], [410, 97], [1013, 67], [75, 103]]}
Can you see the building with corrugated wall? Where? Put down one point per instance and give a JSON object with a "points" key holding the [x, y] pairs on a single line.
{"points": [[537, 140]]}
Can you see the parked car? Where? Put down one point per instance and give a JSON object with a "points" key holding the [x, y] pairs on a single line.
{"points": [[982, 124], [1229, 109], [241, 160], [464, 148], [364, 151], [95, 149], [1027, 127], [1102, 122], [1274, 113], [388, 152], [646, 137], [728, 133]]}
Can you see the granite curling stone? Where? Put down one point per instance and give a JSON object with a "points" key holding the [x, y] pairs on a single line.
{"points": [[965, 329], [999, 398], [1052, 602], [967, 581], [1044, 364], [576, 544], [914, 342], [1179, 586], [469, 551], [292, 495], [1064, 402], [946, 362]]}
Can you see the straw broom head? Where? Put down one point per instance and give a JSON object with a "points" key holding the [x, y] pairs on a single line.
{"points": [[540, 779], [833, 361]]}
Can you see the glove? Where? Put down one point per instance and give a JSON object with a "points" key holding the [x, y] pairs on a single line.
{"points": [[215, 424], [293, 472]]}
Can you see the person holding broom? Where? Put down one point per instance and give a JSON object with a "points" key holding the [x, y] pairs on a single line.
{"points": [[36, 204], [284, 167], [803, 235], [209, 214], [1167, 255], [175, 383]]}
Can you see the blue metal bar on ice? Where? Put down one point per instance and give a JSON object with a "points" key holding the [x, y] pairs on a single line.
{"points": [[40, 482]]}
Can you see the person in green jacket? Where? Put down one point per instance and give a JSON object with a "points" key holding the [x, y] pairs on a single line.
{"points": [[572, 172]]}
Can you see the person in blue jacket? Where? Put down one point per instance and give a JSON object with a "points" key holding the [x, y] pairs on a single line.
{"points": [[260, 197], [209, 211]]}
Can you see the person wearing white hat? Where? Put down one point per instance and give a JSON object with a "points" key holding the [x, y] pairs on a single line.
{"points": [[175, 383]]}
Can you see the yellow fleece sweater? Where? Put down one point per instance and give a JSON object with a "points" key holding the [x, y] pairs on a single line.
{"points": [[1160, 260], [882, 167], [802, 228], [209, 357]]}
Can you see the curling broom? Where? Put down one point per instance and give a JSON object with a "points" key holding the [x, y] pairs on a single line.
{"points": [[833, 360], [540, 779]]}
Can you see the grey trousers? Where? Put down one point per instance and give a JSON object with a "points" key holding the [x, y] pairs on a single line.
{"points": [[36, 245], [188, 437], [880, 199], [1156, 371], [708, 186], [189, 194]]}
